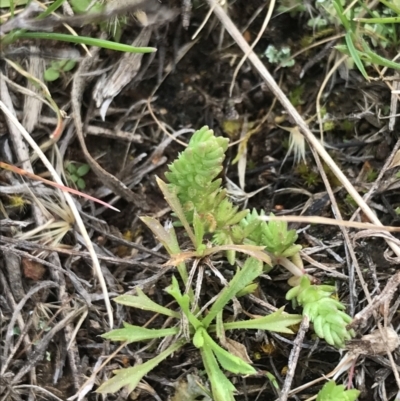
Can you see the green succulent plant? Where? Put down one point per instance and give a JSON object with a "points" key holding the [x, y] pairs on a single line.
{"points": [[323, 311]]}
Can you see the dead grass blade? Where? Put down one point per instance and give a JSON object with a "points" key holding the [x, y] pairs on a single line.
{"points": [[71, 204], [331, 222], [299, 121]]}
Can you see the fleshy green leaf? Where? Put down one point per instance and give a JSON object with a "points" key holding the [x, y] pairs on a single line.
{"points": [[83, 170], [71, 168], [51, 75], [69, 65], [81, 184], [323, 311], [193, 175]]}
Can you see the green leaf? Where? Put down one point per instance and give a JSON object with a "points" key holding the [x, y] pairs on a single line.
{"points": [[340, 13], [131, 377], [83, 169], [333, 392], [183, 301], [51, 8], [219, 325], [74, 178], [222, 388], [228, 361], [131, 333], [382, 61], [278, 321], [7, 3], [57, 64], [273, 380], [198, 227], [51, 75], [387, 20], [142, 301], [251, 269], [71, 168], [198, 338], [355, 55], [81, 184], [249, 289]]}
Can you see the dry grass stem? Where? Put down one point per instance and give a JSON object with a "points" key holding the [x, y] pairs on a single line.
{"points": [[71, 204]]}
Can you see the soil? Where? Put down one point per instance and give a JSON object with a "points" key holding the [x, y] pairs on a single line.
{"points": [[189, 88]]}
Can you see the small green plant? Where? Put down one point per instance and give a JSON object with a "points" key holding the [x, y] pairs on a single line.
{"points": [[372, 175], [197, 328], [76, 173], [323, 311], [305, 171], [213, 224], [364, 37], [333, 392], [279, 56], [296, 96], [357, 37], [58, 68]]}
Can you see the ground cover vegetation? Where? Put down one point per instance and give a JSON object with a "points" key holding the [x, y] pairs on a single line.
{"points": [[219, 243]]}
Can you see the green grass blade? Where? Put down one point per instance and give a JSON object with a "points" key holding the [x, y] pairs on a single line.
{"points": [[53, 7], [340, 13], [382, 61], [388, 20], [392, 6], [354, 55], [105, 44]]}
